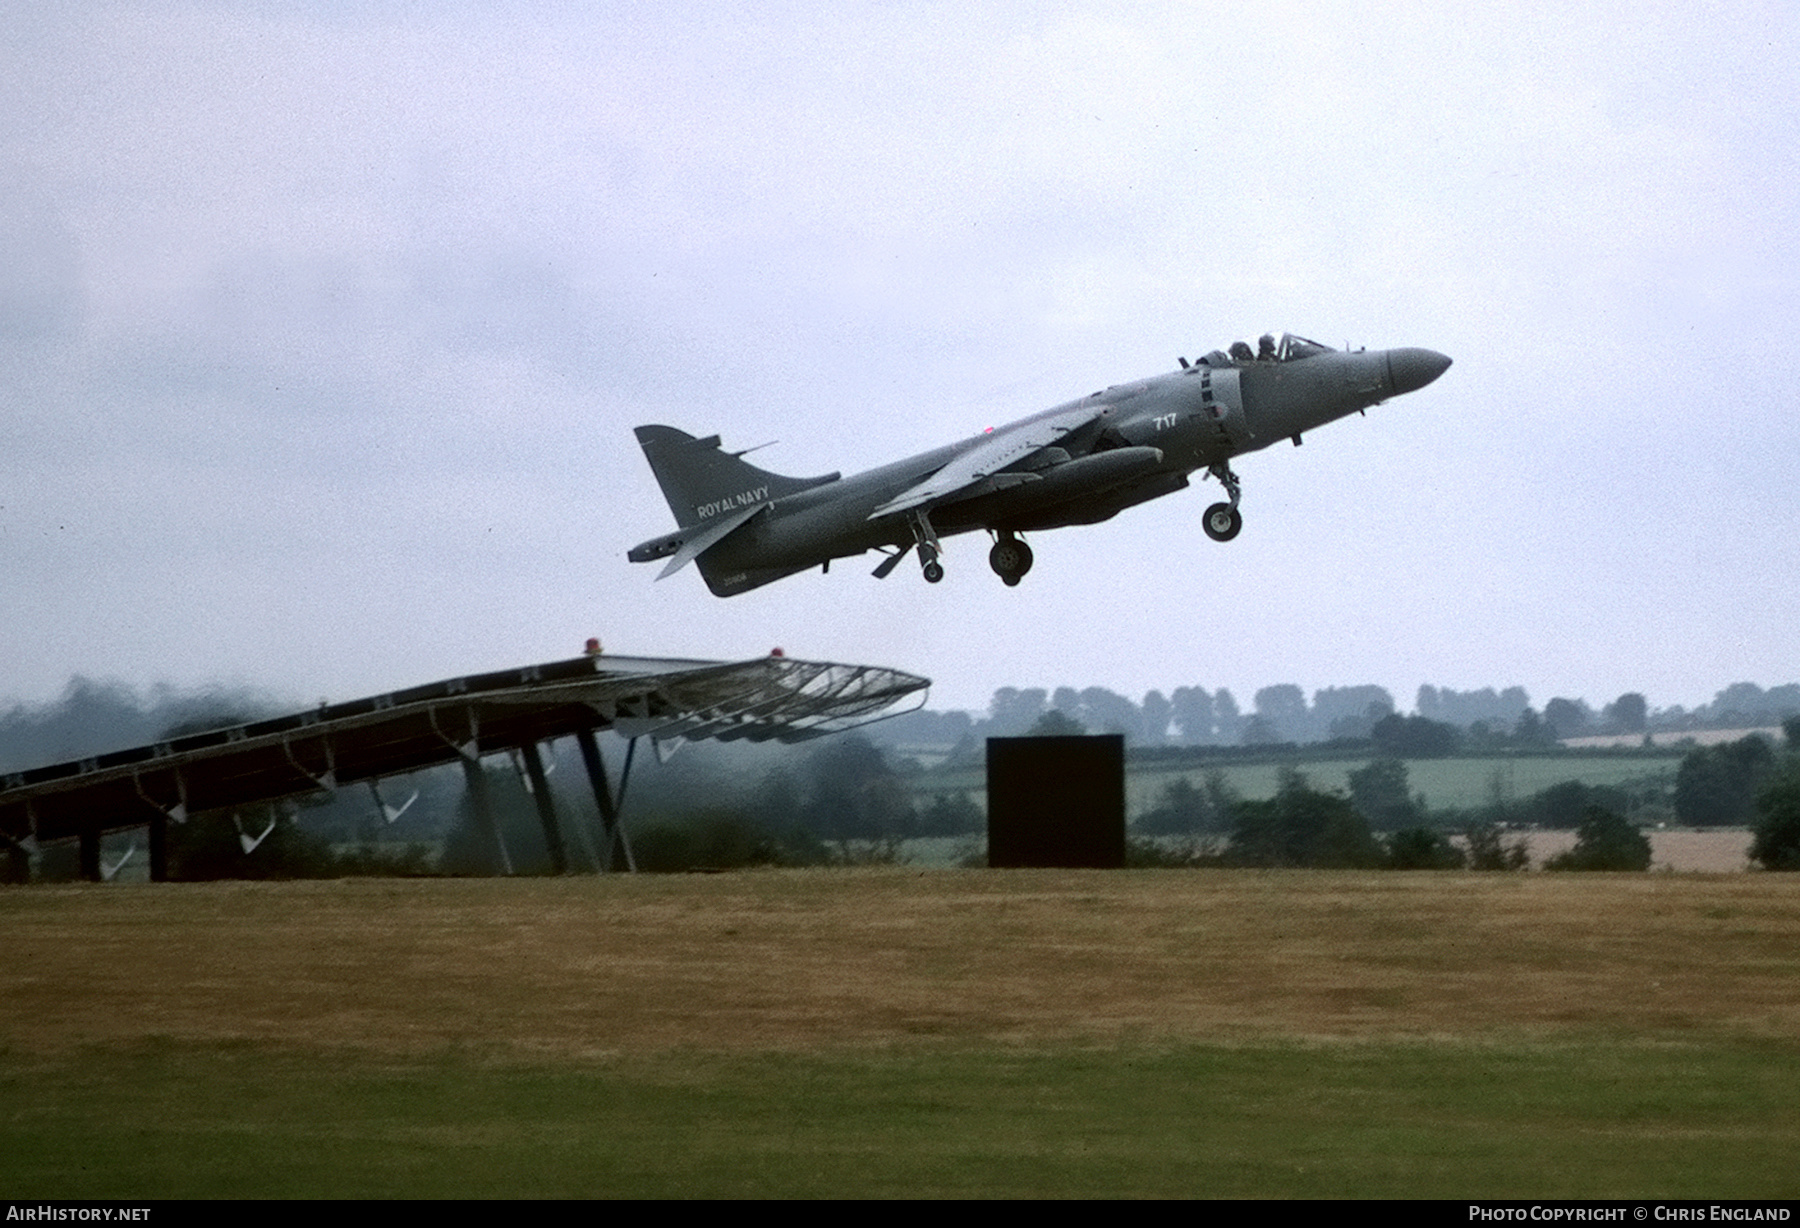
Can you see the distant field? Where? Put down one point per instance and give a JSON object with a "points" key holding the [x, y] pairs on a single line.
{"points": [[1446, 783], [906, 1032], [1722, 850]]}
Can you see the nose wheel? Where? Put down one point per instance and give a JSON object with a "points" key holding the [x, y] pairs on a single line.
{"points": [[1010, 558], [1222, 522]]}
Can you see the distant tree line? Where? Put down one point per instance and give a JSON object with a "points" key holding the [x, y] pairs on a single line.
{"points": [[92, 717], [1194, 716], [848, 798], [1744, 783], [1378, 825]]}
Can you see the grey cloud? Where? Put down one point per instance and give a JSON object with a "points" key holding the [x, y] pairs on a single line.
{"points": [[41, 274]]}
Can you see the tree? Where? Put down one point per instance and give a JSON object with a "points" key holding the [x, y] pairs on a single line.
{"points": [[1056, 723], [514, 844], [1351, 711], [1716, 786], [1180, 810], [1629, 713], [1379, 791], [1110, 712], [1358, 728], [1567, 718], [210, 846], [951, 814], [1283, 708], [1301, 826], [1423, 848], [719, 838], [1464, 708], [1414, 737], [1227, 721], [1563, 806], [854, 794], [777, 803], [1183, 810], [1192, 711], [1157, 714], [1777, 842], [1531, 731], [1740, 704], [1258, 731], [1012, 710], [1487, 851], [1604, 841]]}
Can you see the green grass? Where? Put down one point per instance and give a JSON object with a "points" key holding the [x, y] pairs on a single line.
{"points": [[1413, 1120], [893, 1031], [1460, 783]]}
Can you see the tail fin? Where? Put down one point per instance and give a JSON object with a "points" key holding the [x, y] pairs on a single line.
{"points": [[700, 481]]}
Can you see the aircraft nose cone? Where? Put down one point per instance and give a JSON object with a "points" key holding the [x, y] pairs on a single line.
{"points": [[1412, 368]]}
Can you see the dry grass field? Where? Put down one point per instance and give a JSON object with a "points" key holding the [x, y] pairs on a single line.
{"points": [[1338, 992], [781, 959], [1719, 850]]}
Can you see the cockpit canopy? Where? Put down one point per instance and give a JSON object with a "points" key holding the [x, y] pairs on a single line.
{"points": [[1287, 348]]}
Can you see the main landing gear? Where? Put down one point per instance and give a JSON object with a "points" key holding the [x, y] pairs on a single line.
{"points": [[1223, 520], [1010, 558]]}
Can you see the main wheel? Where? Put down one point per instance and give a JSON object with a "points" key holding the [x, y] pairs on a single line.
{"points": [[1222, 522], [934, 571], [1010, 558]]}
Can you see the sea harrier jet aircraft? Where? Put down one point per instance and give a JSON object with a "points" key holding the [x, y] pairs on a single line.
{"points": [[1079, 463]]}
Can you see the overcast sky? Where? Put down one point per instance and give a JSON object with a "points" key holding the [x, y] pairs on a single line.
{"points": [[323, 329]]}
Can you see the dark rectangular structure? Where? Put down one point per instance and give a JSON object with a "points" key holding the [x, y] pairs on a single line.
{"points": [[1056, 802]]}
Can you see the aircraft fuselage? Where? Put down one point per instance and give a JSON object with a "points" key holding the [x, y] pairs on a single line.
{"points": [[1077, 463]]}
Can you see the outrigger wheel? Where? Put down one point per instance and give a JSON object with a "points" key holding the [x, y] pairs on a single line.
{"points": [[1010, 558], [927, 538], [934, 570], [1222, 522]]}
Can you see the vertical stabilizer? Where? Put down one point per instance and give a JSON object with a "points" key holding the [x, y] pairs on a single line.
{"points": [[700, 481]]}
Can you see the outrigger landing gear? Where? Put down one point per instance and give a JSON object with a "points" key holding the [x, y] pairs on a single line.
{"points": [[1223, 520], [1010, 558], [927, 539]]}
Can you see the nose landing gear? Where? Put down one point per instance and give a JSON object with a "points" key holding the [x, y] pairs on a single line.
{"points": [[1223, 520]]}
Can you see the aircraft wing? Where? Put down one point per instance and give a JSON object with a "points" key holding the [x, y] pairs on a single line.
{"points": [[994, 453], [702, 537]]}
